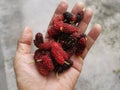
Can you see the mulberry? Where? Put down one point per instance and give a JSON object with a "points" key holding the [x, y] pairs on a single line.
{"points": [[61, 68], [58, 53], [42, 69], [68, 42], [79, 17], [64, 27], [38, 39], [46, 45], [64, 41], [67, 17], [81, 44], [47, 61], [57, 19]]}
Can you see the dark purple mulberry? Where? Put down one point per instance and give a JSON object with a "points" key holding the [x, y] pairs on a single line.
{"points": [[67, 17], [81, 44], [79, 17], [61, 68], [67, 41], [38, 39]]}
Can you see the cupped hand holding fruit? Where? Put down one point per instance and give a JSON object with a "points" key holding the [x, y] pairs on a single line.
{"points": [[27, 75]]}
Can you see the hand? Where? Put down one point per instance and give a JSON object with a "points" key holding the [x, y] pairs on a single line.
{"points": [[27, 76]]}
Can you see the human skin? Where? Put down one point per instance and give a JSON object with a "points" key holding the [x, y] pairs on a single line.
{"points": [[27, 76]]}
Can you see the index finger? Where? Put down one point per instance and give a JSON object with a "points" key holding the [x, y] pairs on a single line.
{"points": [[62, 7]]}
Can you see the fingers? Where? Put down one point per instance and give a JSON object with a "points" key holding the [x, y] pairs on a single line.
{"points": [[94, 33], [77, 8], [62, 7], [87, 16], [84, 23], [25, 41], [91, 38], [77, 62]]}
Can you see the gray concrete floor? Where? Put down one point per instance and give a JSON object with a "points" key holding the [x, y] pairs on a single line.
{"points": [[100, 63], [3, 82]]}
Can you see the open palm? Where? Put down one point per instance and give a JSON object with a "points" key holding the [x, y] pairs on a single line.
{"points": [[27, 76]]}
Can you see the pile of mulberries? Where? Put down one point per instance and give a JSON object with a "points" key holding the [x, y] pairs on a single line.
{"points": [[64, 41]]}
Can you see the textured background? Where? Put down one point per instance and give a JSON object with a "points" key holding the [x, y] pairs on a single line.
{"points": [[100, 63]]}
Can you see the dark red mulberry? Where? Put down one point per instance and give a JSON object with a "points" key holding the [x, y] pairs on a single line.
{"points": [[57, 19], [58, 25], [38, 39], [58, 53], [42, 69], [64, 27], [39, 53], [67, 28], [79, 17], [46, 45], [47, 61], [53, 33], [81, 44]]}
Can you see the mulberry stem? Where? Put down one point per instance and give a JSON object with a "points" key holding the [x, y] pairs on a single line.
{"points": [[57, 76], [31, 62], [39, 60], [66, 63]]}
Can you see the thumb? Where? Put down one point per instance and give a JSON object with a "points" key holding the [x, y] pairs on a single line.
{"points": [[25, 41]]}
